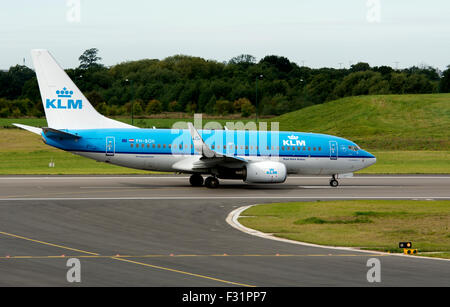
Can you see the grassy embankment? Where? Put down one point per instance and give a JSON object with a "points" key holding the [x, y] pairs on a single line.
{"points": [[366, 224], [407, 133]]}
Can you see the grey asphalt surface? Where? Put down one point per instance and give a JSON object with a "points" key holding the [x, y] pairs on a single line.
{"points": [[159, 231]]}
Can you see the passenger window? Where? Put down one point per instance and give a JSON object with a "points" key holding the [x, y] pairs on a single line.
{"points": [[320, 148], [131, 145], [143, 145], [314, 148], [299, 148], [164, 146], [159, 145], [309, 148]]}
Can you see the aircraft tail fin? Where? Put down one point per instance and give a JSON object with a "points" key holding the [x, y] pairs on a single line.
{"points": [[65, 105]]}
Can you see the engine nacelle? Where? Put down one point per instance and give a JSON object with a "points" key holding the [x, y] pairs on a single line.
{"points": [[265, 172]]}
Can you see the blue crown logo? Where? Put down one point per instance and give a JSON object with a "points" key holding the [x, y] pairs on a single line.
{"points": [[64, 93]]}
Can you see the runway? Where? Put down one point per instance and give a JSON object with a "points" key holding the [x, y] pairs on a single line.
{"points": [[159, 231]]}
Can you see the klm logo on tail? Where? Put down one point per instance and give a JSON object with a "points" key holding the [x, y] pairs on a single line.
{"points": [[61, 103]]}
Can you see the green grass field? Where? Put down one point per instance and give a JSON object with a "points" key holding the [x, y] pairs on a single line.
{"points": [[22, 152], [385, 122], [366, 224]]}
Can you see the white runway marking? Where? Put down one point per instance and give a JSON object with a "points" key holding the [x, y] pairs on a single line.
{"points": [[179, 177], [223, 197], [345, 187]]}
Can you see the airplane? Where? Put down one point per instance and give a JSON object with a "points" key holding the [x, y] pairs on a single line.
{"points": [[252, 156]]}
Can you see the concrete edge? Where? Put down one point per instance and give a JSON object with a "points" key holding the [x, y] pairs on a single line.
{"points": [[232, 220]]}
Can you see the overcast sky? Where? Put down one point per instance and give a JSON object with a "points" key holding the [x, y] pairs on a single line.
{"points": [[322, 33]]}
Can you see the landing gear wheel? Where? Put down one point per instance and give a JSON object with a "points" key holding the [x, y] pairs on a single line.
{"points": [[212, 182], [196, 180], [334, 183]]}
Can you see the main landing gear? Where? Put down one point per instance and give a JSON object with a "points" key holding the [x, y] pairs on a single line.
{"points": [[333, 182], [212, 182], [196, 180]]}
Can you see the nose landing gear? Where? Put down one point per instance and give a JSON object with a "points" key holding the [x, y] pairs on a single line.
{"points": [[333, 182]]}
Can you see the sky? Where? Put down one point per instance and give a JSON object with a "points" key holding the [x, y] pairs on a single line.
{"points": [[316, 33]]}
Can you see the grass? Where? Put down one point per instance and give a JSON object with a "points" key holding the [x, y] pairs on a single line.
{"points": [[410, 162], [382, 122], [366, 224], [22, 152]]}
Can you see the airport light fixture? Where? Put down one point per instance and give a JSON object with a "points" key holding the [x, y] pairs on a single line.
{"points": [[132, 101], [259, 77]]}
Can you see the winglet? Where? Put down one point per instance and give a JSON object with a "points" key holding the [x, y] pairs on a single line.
{"points": [[200, 146]]}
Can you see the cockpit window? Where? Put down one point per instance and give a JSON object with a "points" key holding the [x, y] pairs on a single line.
{"points": [[354, 148]]}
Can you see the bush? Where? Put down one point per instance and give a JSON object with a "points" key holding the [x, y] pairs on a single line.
{"points": [[223, 107], [154, 107]]}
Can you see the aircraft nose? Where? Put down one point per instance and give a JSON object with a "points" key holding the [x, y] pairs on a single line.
{"points": [[370, 160]]}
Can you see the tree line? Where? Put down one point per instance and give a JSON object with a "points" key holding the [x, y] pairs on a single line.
{"points": [[274, 85]]}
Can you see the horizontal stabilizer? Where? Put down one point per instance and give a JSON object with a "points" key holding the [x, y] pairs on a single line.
{"points": [[54, 133], [29, 128]]}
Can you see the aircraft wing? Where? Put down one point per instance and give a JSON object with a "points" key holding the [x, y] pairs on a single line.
{"points": [[207, 157]]}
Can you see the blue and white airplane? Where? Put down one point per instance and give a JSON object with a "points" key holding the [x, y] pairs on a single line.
{"points": [[252, 156]]}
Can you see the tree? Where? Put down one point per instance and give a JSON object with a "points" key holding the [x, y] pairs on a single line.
{"points": [[444, 84], [223, 107], [361, 66], [89, 59], [243, 59]]}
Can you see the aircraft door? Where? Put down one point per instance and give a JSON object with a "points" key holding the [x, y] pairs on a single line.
{"points": [[110, 146], [333, 150]]}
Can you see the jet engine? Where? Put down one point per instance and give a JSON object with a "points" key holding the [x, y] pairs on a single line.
{"points": [[265, 172]]}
